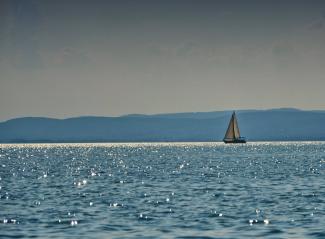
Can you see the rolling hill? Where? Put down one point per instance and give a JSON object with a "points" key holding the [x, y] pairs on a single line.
{"points": [[256, 125]]}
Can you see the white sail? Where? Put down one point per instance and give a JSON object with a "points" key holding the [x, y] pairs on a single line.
{"points": [[232, 132], [236, 128]]}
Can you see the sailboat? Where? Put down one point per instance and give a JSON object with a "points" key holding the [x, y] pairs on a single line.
{"points": [[232, 134]]}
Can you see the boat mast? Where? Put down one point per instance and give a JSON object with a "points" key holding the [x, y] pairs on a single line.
{"points": [[233, 123], [236, 127]]}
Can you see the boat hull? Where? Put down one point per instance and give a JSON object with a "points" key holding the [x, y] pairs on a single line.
{"points": [[235, 141]]}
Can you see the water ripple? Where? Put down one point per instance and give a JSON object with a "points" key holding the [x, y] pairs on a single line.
{"points": [[165, 190]]}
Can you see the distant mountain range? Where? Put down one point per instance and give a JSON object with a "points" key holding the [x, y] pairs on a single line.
{"points": [[256, 125]]}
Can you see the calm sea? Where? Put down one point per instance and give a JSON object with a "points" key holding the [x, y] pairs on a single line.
{"points": [[163, 190]]}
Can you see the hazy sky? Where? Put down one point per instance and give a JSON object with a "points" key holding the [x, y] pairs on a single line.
{"points": [[63, 58]]}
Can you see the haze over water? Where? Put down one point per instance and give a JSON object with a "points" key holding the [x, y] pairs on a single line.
{"points": [[64, 59], [165, 190]]}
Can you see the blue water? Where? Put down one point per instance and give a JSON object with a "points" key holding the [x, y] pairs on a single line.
{"points": [[170, 190]]}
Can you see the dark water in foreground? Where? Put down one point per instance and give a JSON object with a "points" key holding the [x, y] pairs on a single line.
{"points": [[176, 190]]}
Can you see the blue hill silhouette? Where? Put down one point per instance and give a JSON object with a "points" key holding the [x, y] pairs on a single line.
{"points": [[256, 125]]}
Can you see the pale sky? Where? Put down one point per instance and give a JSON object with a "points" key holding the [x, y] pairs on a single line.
{"points": [[65, 58]]}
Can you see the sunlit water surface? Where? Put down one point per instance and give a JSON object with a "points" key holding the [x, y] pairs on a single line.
{"points": [[169, 190]]}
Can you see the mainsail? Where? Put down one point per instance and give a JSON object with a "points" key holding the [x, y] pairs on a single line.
{"points": [[232, 132], [236, 128]]}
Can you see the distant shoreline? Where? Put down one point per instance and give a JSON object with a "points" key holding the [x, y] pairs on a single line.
{"points": [[255, 125], [145, 142]]}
